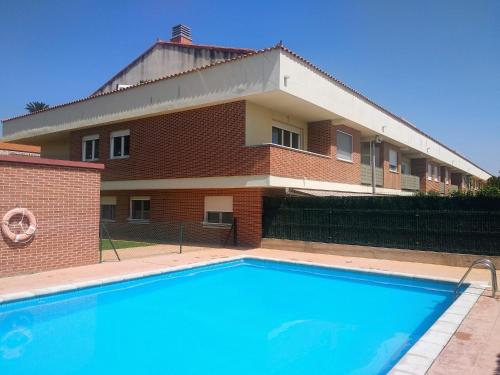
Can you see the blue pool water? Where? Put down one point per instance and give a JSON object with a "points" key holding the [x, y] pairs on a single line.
{"points": [[238, 317]]}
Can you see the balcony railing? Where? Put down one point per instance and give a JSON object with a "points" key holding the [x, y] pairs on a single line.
{"points": [[410, 182], [366, 175], [453, 188]]}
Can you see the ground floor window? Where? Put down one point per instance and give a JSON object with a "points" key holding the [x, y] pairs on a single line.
{"points": [[218, 210], [140, 208], [108, 208]]}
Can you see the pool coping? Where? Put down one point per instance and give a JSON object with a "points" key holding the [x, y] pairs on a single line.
{"points": [[416, 361]]}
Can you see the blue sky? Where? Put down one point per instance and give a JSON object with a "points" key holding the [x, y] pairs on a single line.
{"points": [[435, 63]]}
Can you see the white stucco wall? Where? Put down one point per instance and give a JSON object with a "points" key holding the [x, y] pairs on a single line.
{"points": [[260, 120]]}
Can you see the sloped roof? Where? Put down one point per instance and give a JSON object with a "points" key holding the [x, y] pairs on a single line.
{"points": [[160, 42]]}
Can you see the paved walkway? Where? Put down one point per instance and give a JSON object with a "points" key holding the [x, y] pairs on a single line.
{"points": [[474, 349]]}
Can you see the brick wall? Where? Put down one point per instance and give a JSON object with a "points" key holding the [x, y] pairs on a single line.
{"points": [[189, 205], [64, 197], [208, 142], [204, 142], [319, 137], [419, 168], [290, 163]]}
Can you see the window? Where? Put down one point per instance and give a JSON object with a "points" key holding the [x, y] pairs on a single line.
{"points": [[90, 147], [219, 210], [120, 144], [393, 160], [429, 171], [287, 138], [405, 166], [139, 208], [108, 208], [344, 146]]}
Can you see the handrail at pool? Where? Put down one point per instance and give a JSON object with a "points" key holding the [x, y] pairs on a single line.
{"points": [[485, 262]]}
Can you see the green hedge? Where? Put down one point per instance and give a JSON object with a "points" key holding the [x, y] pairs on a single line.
{"points": [[462, 224]]}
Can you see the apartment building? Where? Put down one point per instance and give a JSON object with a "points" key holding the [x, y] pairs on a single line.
{"points": [[224, 127]]}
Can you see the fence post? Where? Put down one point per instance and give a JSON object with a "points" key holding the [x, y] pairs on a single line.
{"points": [[181, 235], [235, 232], [100, 242]]}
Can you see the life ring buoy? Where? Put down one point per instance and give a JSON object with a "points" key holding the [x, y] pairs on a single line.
{"points": [[19, 237]]}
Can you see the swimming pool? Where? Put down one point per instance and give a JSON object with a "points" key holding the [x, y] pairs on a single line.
{"points": [[245, 316]]}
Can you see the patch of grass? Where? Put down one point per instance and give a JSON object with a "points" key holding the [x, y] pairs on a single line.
{"points": [[121, 244]]}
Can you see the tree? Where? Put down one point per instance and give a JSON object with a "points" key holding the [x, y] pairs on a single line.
{"points": [[36, 106]]}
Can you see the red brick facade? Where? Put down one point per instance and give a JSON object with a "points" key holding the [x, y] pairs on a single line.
{"points": [[64, 197], [204, 142], [188, 206], [209, 142]]}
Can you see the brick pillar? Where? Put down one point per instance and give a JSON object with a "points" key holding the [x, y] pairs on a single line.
{"points": [[319, 137]]}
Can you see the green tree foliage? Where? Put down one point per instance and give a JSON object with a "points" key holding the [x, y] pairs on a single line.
{"points": [[36, 106]]}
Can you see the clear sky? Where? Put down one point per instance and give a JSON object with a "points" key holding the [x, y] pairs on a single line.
{"points": [[434, 62]]}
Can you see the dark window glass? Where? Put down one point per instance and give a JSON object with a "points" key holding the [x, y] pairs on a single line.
{"points": [[295, 140], [126, 145], [227, 217], [108, 211], [277, 136], [88, 150], [117, 146], [286, 138], [213, 217], [96, 149], [145, 210], [365, 153]]}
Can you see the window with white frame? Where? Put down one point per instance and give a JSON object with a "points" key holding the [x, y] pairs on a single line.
{"points": [[393, 160], [286, 137], [108, 208], [429, 171], [344, 146], [218, 210], [90, 147], [120, 144], [140, 208]]}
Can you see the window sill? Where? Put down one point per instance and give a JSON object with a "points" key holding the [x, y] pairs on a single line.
{"points": [[393, 171], [91, 160], [206, 224], [119, 157], [138, 221], [108, 220], [345, 160]]}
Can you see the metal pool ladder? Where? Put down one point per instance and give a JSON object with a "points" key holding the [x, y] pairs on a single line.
{"points": [[486, 263]]}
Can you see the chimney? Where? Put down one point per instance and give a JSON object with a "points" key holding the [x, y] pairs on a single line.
{"points": [[181, 34]]}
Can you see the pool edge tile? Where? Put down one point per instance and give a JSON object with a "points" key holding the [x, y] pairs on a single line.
{"points": [[445, 326]]}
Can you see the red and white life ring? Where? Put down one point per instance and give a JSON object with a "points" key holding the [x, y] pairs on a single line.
{"points": [[19, 237]]}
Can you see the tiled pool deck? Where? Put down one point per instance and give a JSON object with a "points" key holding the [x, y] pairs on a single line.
{"points": [[474, 347]]}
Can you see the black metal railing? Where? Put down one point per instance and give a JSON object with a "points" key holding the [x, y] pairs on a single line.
{"points": [[451, 230], [122, 235]]}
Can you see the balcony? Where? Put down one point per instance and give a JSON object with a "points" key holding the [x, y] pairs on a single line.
{"points": [[366, 175], [409, 182]]}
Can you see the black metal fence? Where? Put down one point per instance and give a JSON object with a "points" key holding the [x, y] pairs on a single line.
{"points": [[122, 235], [460, 225]]}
